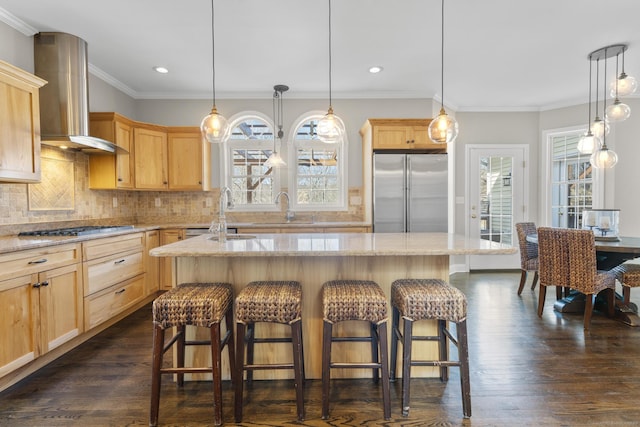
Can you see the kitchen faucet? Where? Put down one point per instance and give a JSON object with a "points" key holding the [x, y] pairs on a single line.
{"points": [[289, 215], [226, 202]]}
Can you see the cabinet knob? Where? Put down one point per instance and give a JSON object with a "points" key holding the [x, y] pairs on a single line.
{"points": [[36, 285], [408, 142], [119, 179], [45, 283]]}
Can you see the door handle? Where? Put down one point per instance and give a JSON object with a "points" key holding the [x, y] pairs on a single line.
{"points": [[473, 215]]}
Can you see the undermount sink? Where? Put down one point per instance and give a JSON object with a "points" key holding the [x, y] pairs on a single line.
{"points": [[235, 237]]}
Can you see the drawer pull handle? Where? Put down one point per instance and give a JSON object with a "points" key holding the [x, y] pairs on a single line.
{"points": [[39, 261], [120, 291], [119, 262]]}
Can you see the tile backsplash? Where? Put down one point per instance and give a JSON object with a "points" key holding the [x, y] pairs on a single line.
{"points": [[130, 207]]}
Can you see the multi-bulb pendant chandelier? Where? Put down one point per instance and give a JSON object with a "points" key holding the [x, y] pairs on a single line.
{"points": [[330, 128], [443, 129], [214, 127], [594, 141], [275, 160]]}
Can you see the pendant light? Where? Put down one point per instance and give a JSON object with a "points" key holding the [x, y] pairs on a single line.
{"points": [[275, 160], [624, 85], [214, 127], [604, 158], [617, 112], [443, 129], [330, 128], [588, 142]]}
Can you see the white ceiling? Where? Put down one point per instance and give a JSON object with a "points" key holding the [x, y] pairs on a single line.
{"points": [[499, 54]]}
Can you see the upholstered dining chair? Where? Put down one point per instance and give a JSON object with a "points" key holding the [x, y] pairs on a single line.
{"points": [[528, 254]]}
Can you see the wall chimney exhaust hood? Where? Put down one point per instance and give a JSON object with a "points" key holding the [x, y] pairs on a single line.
{"points": [[61, 59]]}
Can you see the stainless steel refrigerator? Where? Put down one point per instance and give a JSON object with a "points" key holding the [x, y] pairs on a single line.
{"points": [[409, 192]]}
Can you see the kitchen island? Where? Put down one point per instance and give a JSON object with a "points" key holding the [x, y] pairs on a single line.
{"points": [[313, 259]]}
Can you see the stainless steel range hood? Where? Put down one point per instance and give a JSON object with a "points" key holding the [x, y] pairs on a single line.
{"points": [[61, 59]]}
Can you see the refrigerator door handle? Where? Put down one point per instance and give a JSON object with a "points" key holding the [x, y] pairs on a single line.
{"points": [[407, 183]]}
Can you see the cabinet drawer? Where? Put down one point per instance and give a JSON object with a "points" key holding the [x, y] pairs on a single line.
{"points": [[102, 247], [104, 305], [36, 260], [101, 273]]}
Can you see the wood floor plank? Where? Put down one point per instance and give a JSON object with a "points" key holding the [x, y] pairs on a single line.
{"points": [[525, 371]]}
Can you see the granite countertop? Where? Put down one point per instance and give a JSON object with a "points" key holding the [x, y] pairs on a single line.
{"points": [[17, 243], [333, 244]]}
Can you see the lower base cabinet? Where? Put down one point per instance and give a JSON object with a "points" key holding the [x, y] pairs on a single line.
{"points": [[41, 310], [105, 304]]}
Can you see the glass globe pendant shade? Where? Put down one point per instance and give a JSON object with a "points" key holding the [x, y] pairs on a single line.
{"points": [[603, 158], [589, 143], [214, 126], [617, 112], [443, 129], [330, 128], [599, 128], [626, 85]]}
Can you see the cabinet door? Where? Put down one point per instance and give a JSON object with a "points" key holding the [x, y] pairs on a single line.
{"points": [[19, 125], [166, 264], [150, 159], [61, 306], [185, 161], [390, 137], [19, 317], [124, 162], [152, 263]]}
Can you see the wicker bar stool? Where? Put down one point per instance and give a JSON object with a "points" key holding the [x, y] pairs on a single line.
{"points": [[196, 304], [629, 275], [344, 300], [422, 299], [272, 302]]}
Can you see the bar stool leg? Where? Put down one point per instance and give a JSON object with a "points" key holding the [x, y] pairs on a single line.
{"points": [[384, 362], [250, 339], [231, 349], [239, 380], [407, 342], [327, 330], [463, 354], [216, 370], [443, 349], [395, 336], [298, 366], [156, 378], [180, 343], [373, 331]]}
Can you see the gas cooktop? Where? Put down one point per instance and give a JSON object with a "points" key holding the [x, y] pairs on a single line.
{"points": [[77, 231]]}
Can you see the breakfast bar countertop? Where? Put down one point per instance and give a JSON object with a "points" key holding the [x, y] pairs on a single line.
{"points": [[332, 244]]}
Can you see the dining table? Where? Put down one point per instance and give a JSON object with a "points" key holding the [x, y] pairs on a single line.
{"points": [[609, 254]]}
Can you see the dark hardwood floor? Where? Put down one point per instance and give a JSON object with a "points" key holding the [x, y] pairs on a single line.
{"points": [[525, 371]]}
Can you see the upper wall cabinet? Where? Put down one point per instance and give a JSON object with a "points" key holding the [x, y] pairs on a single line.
{"points": [[402, 134], [159, 157], [108, 171], [19, 125]]}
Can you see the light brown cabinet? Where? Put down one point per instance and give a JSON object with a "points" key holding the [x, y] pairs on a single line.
{"points": [[109, 171], [19, 125], [40, 303], [402, 134], [114, 276], [167, 236], [185, 154], [150, 158], [159, 157]]}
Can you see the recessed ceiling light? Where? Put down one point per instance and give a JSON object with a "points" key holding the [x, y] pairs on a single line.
{"points": [[375, 69], [161, 70]]}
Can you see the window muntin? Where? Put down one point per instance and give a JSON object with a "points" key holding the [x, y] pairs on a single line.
{"points": [[571, 181], [248, 147], [318, 179]]}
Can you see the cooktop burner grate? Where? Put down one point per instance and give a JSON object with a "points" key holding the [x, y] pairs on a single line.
{"points": [[77, 231]]}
